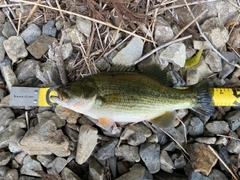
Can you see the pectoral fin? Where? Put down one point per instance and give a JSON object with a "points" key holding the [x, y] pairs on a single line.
{"points": [[165, 120], [105, 123]]}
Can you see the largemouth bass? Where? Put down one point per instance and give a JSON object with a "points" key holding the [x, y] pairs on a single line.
{"points": [[131, 97]]}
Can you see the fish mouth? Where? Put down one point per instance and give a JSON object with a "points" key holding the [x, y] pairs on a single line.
{"points": [[61, 95]]}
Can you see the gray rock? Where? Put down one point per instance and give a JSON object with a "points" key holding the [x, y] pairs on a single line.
{"points": [[15, 48], [5, 158], [234, 39], [216, 174], [163, 31], [72, 134], [222, 141], [12, 174], [131, 129], [19, 122], [175, 53], [14, 139], [31, 33], [74, 35], [198, 72], [202, 158], [8, 30], [45, 139], [162, 138], [67, 114], [102, 64], [178, 161], [48, 115], [84, 26], [48, 73], [49, 28], [150, 154], [40, 46], [96, 171], [214, 61], [26, 69], [223, 154], [195, 127], [136, 139], [67, 174], [196, 175], [85, 120], [215, 31], [218, 127], [57, 165], [170, 146], [87, 141], [7, 116], [2, 17], [107, 150], [22, 177], [137, 171], [153, 139], [4, 138], [66, 50], [128, 153], [29, 165], [233, 119], [2, 50], [176, 134], [113, 166], [206, 140], [8, 74], [227, 70], [127, 55], [45, 160], [174, 79], [234, 144], [3, 171], [166, 162], [123, 167], [199, 44]]}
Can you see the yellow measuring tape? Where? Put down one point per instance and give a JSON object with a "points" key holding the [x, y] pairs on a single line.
{"points": [[225, 96], [44, 96]]}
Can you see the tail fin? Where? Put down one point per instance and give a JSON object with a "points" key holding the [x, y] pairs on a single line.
{"points": [[204, 99]]}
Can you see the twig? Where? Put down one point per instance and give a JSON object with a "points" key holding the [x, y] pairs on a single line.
{"points": [[6, 12], [55, 48], [19, 23], [206, 39], [84, 17], [214, 152], [59, 7], [32, 11], [174, 141], [193, 21], [184, 129], [160, 47], [230, 137]]}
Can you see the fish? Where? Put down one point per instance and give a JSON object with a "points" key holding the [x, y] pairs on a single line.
{"points": [[129, 96]]}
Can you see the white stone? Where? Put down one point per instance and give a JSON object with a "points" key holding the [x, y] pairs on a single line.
{"points": [[130, 53], [175, 53]]}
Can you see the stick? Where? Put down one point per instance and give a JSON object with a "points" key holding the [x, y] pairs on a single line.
{"points": [[160, 47], [32, 11]]}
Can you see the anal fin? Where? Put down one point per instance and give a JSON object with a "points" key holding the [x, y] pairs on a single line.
{"points": [[105, 123], [165, 120]]}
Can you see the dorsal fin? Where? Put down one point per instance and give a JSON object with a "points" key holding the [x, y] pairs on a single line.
{"points": [[122, 68], [154, 71]]}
